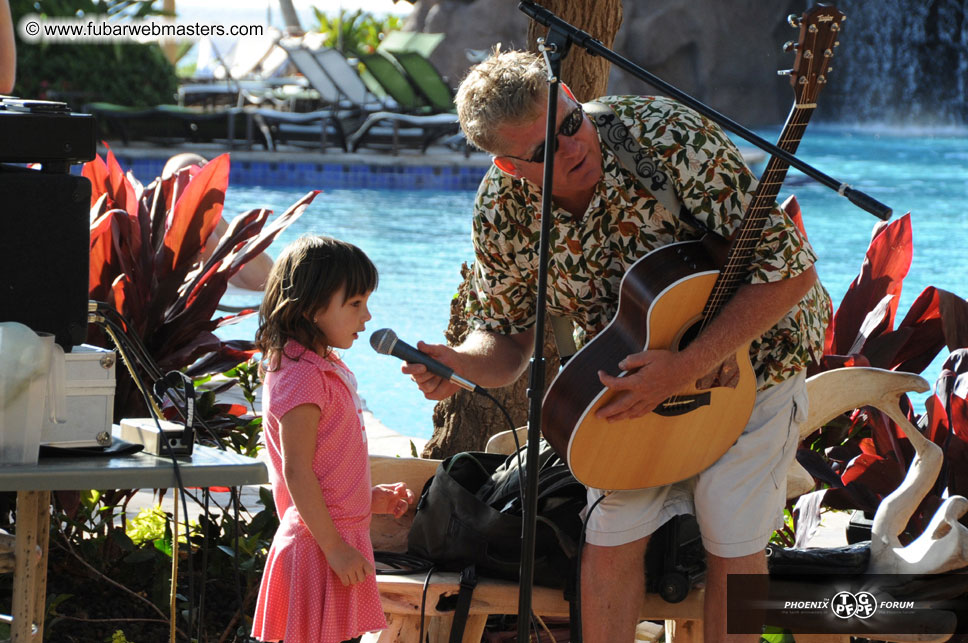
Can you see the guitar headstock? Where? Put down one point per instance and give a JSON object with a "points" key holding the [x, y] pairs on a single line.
{"points": [[819, 30]]}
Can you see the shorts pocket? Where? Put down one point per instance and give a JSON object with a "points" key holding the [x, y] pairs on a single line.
{"points": [[798, 415]]}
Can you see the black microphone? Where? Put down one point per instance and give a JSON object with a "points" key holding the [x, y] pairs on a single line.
{"points": [[385, 341]]}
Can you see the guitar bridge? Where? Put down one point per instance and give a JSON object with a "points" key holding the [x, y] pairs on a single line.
{"points": [[682, 405]]}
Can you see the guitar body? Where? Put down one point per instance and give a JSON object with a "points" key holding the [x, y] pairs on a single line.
{"points": [[661, 300]]}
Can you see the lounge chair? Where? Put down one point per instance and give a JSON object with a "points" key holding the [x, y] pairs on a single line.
{"points": [[166, 124], [305, 61], [393, 130], [393, 81], [352, 88], [418, 41], [432, 113], [314, 128], [433, 87]]}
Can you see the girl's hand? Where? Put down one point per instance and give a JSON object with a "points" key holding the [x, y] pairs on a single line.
{"points": [[393, 499], [348, 564]]}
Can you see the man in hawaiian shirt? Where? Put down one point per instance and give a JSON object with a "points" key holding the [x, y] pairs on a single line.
{"points": [[604, 220]]}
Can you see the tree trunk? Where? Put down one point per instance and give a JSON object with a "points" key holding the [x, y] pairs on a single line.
{"points": [[465, 421], [290, 17], [586, 75]]}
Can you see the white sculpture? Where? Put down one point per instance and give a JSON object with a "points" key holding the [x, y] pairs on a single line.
{"points": [[944, 544]]}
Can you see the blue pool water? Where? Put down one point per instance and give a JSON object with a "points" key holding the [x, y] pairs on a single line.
{"points": [[418, 240]]}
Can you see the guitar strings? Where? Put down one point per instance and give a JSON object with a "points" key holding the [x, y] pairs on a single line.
{"points": [[751, 229]]}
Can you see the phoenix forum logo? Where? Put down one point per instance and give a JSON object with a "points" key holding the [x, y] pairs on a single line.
{"points": [[846, 605]]}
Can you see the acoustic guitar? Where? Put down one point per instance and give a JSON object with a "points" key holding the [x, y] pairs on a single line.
{"points": [[665, 300]]}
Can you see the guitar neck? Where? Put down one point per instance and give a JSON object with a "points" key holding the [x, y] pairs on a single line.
{"points": [[740, 255]]}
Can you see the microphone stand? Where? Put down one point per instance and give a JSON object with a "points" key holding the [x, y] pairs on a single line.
{"points": [[555, 47]]}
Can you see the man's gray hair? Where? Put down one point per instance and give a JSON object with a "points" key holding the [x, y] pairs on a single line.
{"points": [[505, 89]]}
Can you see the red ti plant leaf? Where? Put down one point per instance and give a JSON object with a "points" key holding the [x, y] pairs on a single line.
{"points": [[240, 229], [876, 322], [96, 172], [233, 353], [792, 207], [107, 178], [879, 474], [830, 362], [936, 318], [948, 421], [119, 188], [105, 264], [229, 257], [886, 263], [191, 222]]}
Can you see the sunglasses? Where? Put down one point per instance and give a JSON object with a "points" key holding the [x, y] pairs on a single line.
{"points": [[569, 127]]}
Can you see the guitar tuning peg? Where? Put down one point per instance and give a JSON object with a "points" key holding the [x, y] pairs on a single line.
{"points": [[828, 53], [784, 72], [794, 20], [789, 46]]}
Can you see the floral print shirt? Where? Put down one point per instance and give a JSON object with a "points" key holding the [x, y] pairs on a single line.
{"points": [[623, 222]]}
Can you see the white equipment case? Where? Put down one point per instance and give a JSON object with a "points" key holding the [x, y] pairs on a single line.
{"points": [[89, 391]]}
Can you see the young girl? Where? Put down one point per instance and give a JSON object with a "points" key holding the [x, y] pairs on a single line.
{"points": [[319, 584]]}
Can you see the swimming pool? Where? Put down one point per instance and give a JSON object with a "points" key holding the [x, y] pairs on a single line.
{"points": [[418, 239]]}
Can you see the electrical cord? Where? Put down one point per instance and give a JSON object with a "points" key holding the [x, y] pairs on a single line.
{"points": [[123, 342], [418, 564], [104, 315], [134, 353], [581, 543]]}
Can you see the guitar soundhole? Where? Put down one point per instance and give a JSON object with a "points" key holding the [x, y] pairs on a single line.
{"points": [[680, 405], [690, 334]]}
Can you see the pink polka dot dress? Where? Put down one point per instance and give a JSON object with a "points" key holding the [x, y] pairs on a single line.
{"points": [[301, 600]]}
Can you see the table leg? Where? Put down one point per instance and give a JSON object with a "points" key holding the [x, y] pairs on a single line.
{"points": [[30, 566]]}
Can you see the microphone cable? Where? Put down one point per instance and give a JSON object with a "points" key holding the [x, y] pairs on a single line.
{"points": [[134, 353], [124, 349]]}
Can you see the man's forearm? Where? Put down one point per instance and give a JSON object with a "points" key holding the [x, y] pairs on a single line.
{"points": [[493, 360], [752, 311]]}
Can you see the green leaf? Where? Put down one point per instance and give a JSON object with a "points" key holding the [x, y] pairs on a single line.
{"points": [[772, 634], [163, 545], [227, 550]]}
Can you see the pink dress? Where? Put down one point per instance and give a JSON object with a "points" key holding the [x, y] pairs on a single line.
{"points": [[301, 600]]}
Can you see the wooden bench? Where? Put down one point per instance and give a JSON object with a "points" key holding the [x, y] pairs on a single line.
{"points": [[401, 595]]}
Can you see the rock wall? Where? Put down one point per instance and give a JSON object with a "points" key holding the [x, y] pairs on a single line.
{"points": [[725, 54]]}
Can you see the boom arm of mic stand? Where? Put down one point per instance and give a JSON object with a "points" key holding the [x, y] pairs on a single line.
{"points": [[595, 47]]}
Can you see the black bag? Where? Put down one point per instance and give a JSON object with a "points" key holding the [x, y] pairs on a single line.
{"points": [[470, 513]]}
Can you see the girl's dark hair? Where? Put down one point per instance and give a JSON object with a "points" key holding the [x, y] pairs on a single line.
{"points": [[303, 280]]}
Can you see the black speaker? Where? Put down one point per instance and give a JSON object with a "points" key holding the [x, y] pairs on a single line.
{"points": [[44, 252]]}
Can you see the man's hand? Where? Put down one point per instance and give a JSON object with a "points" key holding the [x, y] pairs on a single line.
{"points": [[433, 386], [393, 499], [654, 376]]}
